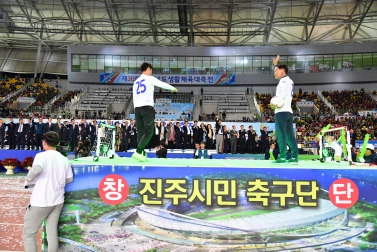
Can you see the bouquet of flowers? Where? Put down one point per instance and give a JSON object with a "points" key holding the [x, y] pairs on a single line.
{"points": [[27, 162], [10, 162]]}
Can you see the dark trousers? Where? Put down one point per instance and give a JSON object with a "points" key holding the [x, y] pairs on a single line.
{"points": [[242, 145], [20, 140], [144, 117], [11, 140], [285, 134], [178, 143], [30, 141], [186, 141], [124, 144], [73, 142], [2, 138], [38, 141]]}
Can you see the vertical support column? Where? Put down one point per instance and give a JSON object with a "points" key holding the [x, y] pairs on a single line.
{"points": [[38, 58]]}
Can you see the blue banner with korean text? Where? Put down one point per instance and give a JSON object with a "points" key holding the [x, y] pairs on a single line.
{"points": [[223, 79], [109, 207]]}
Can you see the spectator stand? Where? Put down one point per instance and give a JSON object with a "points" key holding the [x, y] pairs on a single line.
{"points": [[235, 105], [350, 101], [10, 87]]}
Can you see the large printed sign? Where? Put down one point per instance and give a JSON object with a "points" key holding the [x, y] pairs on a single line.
{"points": [[223, 79], [228, 208]]}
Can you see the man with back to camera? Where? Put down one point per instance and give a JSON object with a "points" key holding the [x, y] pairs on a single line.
{"points": [[50, 172], [284, 114], [143, 90]]}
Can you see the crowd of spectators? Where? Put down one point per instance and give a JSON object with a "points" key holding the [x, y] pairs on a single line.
{"points": [[42, 93], [10, 85], [350, 101]]}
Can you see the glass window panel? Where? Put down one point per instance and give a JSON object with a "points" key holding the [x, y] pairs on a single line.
{"points": [[337, 65], [367, 60], [283, 60], [239, 65], [310, 63], [116, 61], [75, 60], [181, 65], [257, 64], [357, 61], [248, 65], [173, 65], [265, 66], [374, 59], [133, 68], [108, 61], [189, 65], [318, 61], [124, 61], [230, 64], [328, 61], [165, 65], [300, 64], [139, 60], [84, 64], [100, 63], [214, 64], [291, 63], [222, 65], [92, 63], [198, 65], [347, 63], [206, 65], [148, 59]]}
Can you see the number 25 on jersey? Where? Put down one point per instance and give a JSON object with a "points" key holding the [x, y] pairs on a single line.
{"points": [[141, 88]]}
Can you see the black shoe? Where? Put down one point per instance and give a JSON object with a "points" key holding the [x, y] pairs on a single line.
{"points": [[28, 149]]}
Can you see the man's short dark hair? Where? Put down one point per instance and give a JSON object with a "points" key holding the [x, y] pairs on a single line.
{"points": [[51, 138], [145, 66], [283, 67], [195, 121], [163, 144]]}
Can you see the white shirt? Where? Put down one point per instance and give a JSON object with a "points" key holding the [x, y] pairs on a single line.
{"points": [[284, 92], [50, 184], [143, 90]]}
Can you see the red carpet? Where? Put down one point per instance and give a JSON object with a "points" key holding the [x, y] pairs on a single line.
{"points": [[13, 201]]}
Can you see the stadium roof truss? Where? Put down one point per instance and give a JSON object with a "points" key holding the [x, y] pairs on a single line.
{"points": [[57, 23]]}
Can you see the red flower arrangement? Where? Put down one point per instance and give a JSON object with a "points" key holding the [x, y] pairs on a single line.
{"points": [[10, 162], [27, 162]]}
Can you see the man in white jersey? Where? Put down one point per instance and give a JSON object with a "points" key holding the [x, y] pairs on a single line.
{"points": [[50, 172], [281, 103], [143, 90]]}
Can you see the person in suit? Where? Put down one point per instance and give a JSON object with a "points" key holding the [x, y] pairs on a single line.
{"points": [[2, 133], [219, 131], [202, 133], [271, 153], [251, 140], [73, 132], [197, 147], [202, 153], [93, 132], [10, 132], [58, 128], [195, 133], [226, 140], [85, 128], [242, 137], [264, 137], [209, 139], [19, 132], [162, 151], [155, 140], [125, 139], [186, 136], [29, 132], [39, 130], [132, 134], [233, 139], [162, 131], [49, 126], [178, 136]]}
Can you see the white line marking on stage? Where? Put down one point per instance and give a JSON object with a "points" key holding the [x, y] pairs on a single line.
{"points": [[222, 162]]}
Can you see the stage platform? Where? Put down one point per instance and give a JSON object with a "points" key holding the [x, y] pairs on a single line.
{"points": [[204, 223]]}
